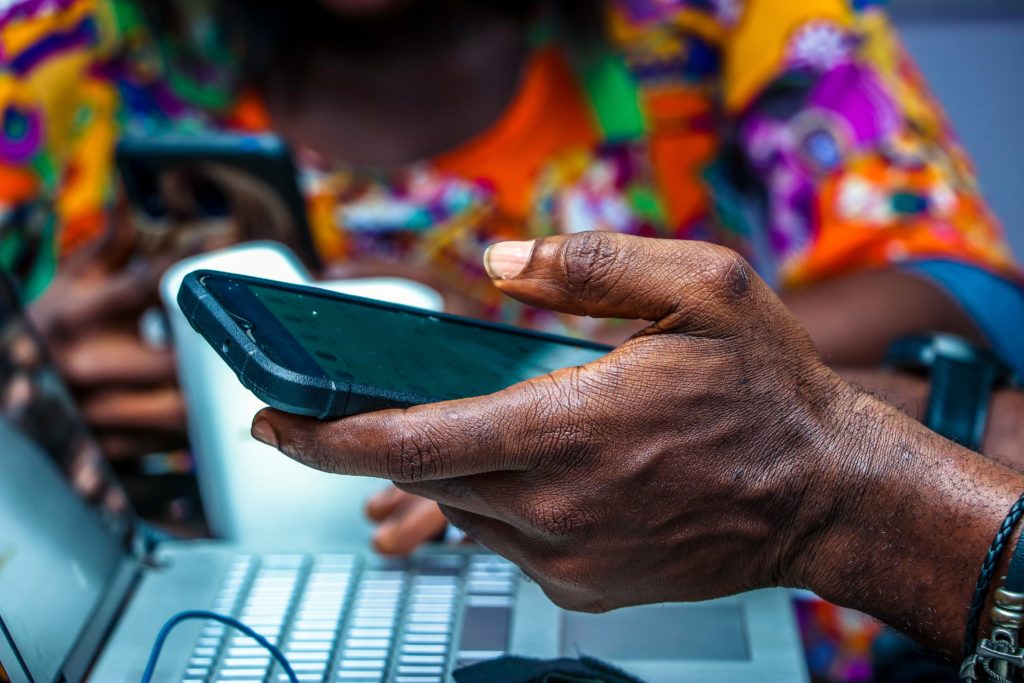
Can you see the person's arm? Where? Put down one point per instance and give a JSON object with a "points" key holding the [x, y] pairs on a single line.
{"points": [[872, 211], [712, 454], [854, 319]]}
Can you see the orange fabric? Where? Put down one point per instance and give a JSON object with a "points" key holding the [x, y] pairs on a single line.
{"points": [[682, 143], [19, 184], [250, 113], [549, 114], [843, 245]]}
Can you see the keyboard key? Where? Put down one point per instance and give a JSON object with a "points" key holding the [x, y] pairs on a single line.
{"points": [[305, 636], [246, 662], [368, 633], [404, 670], [428, 628], [434, 660], [368, 643], [298, 656], [430, 617], [363, 622], [489, 600], [429, 638], [349, 655], [362, 664], [424, 649], [311, 646], [315, 625], [235, 674], [376, 613]]}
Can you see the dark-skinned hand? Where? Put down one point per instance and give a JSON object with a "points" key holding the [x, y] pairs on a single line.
{"points": [[711, 453], [692, 445], [89, 316]]}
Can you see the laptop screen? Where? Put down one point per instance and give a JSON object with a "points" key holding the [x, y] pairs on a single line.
{"points": [[64, 521]]}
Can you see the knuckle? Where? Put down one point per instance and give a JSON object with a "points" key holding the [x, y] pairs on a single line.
{"points": [[412, 457], [562, 441], [76, 367], [309, 449], [593, 260], [728, 273], [562, 519]]}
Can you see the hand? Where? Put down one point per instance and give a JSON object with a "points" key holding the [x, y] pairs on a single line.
{"points": [[405, 521], [691, 456], [89, 317], [710, 454]]}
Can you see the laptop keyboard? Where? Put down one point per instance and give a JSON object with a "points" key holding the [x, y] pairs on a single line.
{"points": [[356, 619]]}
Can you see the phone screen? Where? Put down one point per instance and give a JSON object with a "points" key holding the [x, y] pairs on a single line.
{"points": [[406, 351]]}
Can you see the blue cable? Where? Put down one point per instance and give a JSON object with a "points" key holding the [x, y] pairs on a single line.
{"points": [[165, 630]]}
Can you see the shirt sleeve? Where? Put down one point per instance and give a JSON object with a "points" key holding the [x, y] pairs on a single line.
{"points": [[58, 126], [857, 163]]}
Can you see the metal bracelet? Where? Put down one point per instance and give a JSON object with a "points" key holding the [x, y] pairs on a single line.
{"points": [[999, 657]]}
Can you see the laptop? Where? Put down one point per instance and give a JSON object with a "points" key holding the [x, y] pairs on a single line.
{"points": [[250, 493], [85, 586]]}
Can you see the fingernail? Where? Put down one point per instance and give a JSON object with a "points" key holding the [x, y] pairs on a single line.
{"points": [[505, 260], [262, 431]]}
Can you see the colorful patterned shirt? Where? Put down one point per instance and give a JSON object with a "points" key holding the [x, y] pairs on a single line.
{"points": [[796, 131]]}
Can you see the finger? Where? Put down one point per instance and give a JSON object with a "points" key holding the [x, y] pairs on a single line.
{"points": [[160, 409], [684, 285], [126, 445], [498, 537], [122, 295], [115, 358], [501, 432], [418, 521], [528, 501], [383, 504]]}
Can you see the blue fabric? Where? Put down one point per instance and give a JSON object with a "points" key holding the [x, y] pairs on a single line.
{"points": [[995, 304]]}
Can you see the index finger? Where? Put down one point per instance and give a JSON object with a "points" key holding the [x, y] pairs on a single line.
{"points": [[504, 431]]}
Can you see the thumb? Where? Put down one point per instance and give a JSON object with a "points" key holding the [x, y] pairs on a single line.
{"points": [[681, 285]]}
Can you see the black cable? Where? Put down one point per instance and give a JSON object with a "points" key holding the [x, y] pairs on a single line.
{"points": [[988, 570]]}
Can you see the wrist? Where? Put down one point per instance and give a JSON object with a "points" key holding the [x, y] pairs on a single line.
{"points": [[905, 519], [849, 487]]}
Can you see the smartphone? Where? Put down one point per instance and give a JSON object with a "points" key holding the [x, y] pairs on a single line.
{"points": [[326, 355], [177, 180]]}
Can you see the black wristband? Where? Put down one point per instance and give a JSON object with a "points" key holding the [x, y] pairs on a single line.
{"points": [[963, 376], [988, 571]]}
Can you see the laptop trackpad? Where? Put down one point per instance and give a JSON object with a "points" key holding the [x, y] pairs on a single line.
{"points": [[662, 632]]}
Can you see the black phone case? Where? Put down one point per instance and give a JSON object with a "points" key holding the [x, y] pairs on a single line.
{"points": [[284, 389]]}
